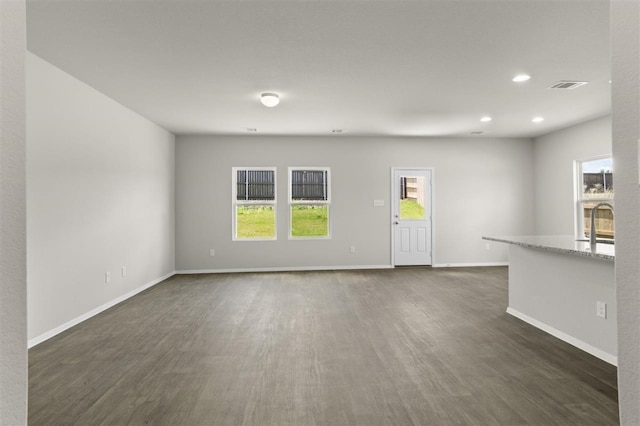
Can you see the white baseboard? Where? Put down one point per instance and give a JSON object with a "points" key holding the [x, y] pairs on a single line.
{"points": [[281, 269], [598, 353], [468, 265], [49, 334], [326, 268]]}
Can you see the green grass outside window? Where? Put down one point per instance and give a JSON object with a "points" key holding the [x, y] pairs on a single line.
{"points": [[310, 221], [260, 221], [410, 209], [255, 222]]}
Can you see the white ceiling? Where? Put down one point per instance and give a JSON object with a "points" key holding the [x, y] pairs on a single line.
{"points": [[411, 68]]}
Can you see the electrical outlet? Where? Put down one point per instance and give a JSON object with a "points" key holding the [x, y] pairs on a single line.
{"points": [[107, 277], [601, 309], [212, 252], [352, 249]]}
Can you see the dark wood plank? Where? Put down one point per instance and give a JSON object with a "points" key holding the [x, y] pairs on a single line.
{"points": [[405, 346]]}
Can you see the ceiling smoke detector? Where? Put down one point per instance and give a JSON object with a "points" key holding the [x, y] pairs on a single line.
{"points": [[567, 85]]}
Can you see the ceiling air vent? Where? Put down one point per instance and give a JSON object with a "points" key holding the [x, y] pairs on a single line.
{"points": [[567, 85]]}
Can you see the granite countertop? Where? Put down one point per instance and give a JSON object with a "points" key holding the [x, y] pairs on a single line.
{"points": [[559, 243]]}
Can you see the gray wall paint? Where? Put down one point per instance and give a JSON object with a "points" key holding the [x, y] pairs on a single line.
{"points": [[625, 29], [482, 187], [13, 291], [100, 196], [554, 156], [575, 283]]}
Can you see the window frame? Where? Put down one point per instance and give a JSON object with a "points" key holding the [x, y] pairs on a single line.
{"points": [[235, 203], [580, 199], [292, 202]]}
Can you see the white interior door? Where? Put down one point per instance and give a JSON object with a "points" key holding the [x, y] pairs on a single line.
{"points": [[411, 219]]}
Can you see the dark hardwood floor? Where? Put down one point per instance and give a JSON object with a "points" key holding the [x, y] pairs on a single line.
{"points": [[405, 346]]}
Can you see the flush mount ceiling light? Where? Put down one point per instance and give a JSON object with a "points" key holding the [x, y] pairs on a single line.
{"points": [[537, 119], [486, 119], [269, 99], [521, 77]]}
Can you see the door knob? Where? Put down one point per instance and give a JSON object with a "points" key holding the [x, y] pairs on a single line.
{"points": [[396, 223]]}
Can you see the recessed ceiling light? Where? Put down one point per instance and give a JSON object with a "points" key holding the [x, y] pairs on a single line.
{"points": [[270, 99], [521, 77], [537, 119], [486, 119]]}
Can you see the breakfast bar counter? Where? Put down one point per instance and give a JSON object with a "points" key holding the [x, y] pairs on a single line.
{"points": [[565, 288], [566, 244]]}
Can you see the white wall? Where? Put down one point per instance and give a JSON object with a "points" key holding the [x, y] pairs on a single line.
{"points": [[554, 156], [100, 195], [482, 187], [13, 294], [625, 29]]}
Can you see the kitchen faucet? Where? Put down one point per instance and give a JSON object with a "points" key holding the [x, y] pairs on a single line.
{"points": [[592, 232]]}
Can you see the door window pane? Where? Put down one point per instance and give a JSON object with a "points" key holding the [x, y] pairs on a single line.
{"points": [[412, 192]]}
